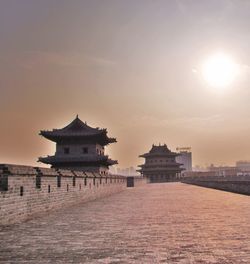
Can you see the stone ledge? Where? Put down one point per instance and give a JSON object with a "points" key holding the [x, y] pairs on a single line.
{"points": [[241, 187]]}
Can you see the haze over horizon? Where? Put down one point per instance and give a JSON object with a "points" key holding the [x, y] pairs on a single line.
{"points": [[133, 67]]}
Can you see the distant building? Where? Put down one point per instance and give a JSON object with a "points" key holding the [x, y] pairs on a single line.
{"points": [[243, 165], [79, 147], [214, 171], [160, 165], [185, 158], [223, 170]]}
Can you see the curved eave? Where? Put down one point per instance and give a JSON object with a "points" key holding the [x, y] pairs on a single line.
{"points": [[112, 162], [152, 155], [79, 164], [152, 165], [79, 159], [111, 140], [99, 137], [161, 169]]}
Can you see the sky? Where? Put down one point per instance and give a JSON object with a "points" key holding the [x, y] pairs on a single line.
{"points": [[133, 67]]}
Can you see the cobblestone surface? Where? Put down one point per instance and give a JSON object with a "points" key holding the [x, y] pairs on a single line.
{"points": [[157, 223]]}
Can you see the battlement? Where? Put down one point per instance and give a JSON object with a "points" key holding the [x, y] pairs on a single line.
{"points": [[27, 191], [12, 169]]}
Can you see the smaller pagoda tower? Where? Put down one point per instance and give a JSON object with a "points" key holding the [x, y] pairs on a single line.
{"points": [[79, 147], [160, 165]]}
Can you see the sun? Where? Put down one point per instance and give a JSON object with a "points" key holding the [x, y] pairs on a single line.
{"points": [[219, 70]]}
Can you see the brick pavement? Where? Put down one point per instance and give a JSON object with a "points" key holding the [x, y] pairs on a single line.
{"points": [[157, 223]]}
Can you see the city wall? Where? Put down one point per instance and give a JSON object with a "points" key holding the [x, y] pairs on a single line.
{"points": [[27, 191], [236, 184]]}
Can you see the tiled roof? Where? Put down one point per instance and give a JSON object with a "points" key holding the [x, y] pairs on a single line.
{"points": [[77, 128], [161, 150], [69, 159]]}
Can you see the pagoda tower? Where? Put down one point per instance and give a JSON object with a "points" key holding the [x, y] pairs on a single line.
{"points": [[160, 165], [79, 147]]}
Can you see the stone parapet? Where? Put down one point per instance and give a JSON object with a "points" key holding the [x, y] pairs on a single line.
{"points": [[236, 184], [27, 191]]}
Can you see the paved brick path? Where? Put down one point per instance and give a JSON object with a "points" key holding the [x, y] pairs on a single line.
{"points": [[157, 223]]}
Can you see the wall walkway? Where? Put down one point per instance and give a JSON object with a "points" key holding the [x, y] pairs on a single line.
{"points": [[156, 223]]}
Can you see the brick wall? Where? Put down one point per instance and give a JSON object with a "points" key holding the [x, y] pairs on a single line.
{"points": [[237, 184], [34, 191], [139, 181]]}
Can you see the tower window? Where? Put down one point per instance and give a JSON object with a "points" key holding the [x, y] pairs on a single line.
{"points": [[85, 150], [66, 150]]}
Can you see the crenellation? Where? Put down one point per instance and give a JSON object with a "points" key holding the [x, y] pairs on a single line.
{"points": [[65, 173], [18, 169], [80, 174], [96, 175], [88, 174], [47, 171], [23, 200]]}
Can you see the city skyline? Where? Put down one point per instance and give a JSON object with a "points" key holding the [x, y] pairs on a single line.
{"points": [[133, 67]]}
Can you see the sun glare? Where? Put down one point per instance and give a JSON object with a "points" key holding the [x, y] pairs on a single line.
{"points": [[219, 70]]}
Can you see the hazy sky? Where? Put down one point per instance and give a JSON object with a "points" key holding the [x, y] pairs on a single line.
{"points": [[132, 66]]}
